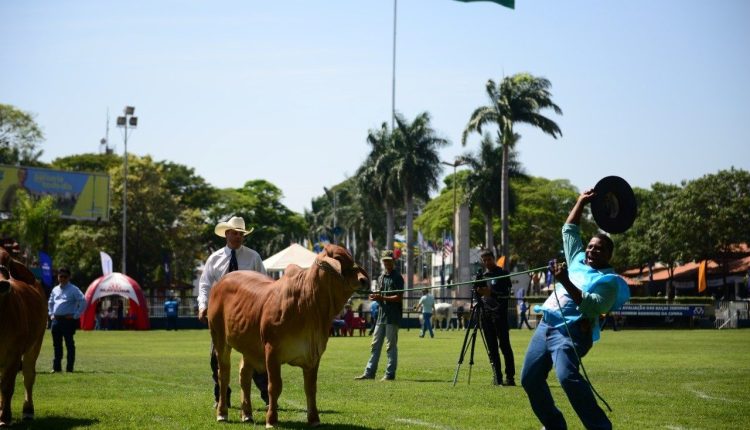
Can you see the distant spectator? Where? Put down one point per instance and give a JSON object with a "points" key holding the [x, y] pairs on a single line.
{"points": [[171, 306], [348, 317], [427, 306], [524, 312]]}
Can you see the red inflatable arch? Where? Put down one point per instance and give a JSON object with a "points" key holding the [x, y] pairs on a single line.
{"points": [[116, 284]]}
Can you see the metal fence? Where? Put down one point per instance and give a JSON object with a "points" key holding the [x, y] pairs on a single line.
{"points": [[188, 306], [730, 313]]}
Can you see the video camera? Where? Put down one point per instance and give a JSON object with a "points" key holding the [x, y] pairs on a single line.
{"points": [[478, 283]]}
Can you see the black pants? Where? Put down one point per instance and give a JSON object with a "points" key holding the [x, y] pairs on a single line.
{"points": [[63, 330], [172, 322], [260, 379], [496, 330]]}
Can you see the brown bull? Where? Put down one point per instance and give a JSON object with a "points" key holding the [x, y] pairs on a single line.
{"points": [[275, 322], [23, 319]]}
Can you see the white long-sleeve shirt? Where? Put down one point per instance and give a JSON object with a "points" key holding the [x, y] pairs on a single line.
{"points": [[217, 264]]}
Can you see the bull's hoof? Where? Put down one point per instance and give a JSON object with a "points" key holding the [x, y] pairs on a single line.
{"points": [[246, 418], [221, 418], [269, 426], [314, 424], [4, 424], [28, 416]]}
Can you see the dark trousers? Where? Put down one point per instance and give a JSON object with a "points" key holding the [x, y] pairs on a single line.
{"points": [[524, 320], [260, 379], [63, 330], [495, 328], [172, 322]]}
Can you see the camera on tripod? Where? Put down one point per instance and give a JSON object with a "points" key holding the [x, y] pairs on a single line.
{"points": [[478, 283]]}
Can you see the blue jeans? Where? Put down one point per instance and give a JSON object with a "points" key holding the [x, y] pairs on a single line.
{"points": [[553, 346], [389, 333], [427, 324]]}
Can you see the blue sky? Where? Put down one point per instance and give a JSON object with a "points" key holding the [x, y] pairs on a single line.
{"points": [[653, 91]]}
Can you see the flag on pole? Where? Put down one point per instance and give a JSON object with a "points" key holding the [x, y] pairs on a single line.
{"points": [[106, 263], [702, 284], [45, 261], [507, 3]]}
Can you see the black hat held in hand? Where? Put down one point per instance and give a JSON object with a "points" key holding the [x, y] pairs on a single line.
{"points": [[614, 206]]}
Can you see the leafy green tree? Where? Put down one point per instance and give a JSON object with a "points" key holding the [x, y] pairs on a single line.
{"points": [[34, 223], [259, 203], [20, 137], [416, 169], [89, 162], [714, 212], [655, 235], [517, 99], [541, 209], [151, 215], [191, 190], [78, 247]]}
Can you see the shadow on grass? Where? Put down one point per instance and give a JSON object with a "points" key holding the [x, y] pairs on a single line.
{"points": [[303, 425], [54, 423], [259, 418]]}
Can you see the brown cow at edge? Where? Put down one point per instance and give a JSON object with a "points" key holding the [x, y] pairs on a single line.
{"points": [[275, 322], [23, 319]]}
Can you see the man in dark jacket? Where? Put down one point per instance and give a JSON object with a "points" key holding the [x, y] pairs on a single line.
{"points": [[493, 293]]}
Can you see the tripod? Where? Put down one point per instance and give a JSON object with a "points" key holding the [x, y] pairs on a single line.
{"points": [[472, 327]]}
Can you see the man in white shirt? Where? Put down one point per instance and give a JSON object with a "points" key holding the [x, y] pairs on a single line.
{"points": [[234, 256]]}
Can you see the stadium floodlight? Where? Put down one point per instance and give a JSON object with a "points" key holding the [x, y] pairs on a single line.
{"points": [[126, 122]]}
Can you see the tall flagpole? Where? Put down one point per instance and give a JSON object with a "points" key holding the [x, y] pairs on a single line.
{"points": [[393, 82]]}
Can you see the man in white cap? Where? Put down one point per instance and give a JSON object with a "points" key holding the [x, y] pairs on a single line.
{"points": [[234, 256]]}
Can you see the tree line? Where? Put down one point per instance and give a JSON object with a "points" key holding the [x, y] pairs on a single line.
{"points": [[172, 210]]}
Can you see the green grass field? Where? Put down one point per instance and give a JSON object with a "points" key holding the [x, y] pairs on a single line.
{"points": [[161, 380]]}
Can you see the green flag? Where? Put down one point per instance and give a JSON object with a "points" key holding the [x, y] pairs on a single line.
{"points": [[507, 3]]}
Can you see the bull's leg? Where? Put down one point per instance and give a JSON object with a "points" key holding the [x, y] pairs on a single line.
{"points": [[7, 384], [273, 367], [29, 377], [223, 355], [311, 389], [246, 373]]}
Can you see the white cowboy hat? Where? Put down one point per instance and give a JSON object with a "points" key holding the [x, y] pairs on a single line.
{"points": [[234, 223]]}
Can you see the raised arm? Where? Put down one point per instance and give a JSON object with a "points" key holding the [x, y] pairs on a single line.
{"points": [[574, 217]]}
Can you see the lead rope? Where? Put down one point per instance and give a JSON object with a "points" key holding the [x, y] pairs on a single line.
{"points": [[449, 286]]}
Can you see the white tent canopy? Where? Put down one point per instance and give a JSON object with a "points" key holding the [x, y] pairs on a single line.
{"points": [[294, 254]]}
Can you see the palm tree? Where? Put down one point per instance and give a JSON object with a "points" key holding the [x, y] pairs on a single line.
{"points": [[484, 175], [417, 169], [518, 99], [376, 180]]}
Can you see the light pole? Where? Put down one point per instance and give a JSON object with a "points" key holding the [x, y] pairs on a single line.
{"points": [[457, 162], [126, 122]]}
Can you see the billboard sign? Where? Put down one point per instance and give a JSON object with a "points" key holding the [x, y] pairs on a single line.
{"points": [[78, 195]]}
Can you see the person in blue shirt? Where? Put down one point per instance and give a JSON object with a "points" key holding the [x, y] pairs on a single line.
{"points": [[585, 288], [65, 306], [427, 306], [171, 307]]}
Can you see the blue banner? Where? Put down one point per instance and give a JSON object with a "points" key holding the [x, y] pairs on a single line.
{"points": [[656, 310], [45, 261]]}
